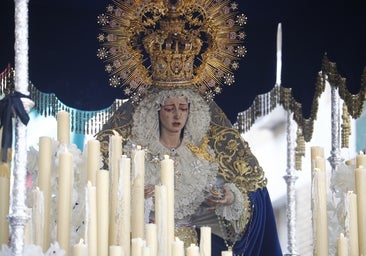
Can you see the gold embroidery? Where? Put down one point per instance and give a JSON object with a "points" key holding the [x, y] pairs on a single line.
{"points": [[201, 151], [237, 163]]}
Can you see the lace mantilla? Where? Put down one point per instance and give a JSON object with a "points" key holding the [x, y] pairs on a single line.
{"points": [[193, 177]]}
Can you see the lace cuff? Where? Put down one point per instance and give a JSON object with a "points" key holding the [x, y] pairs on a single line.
{"points": [[234, 211]]}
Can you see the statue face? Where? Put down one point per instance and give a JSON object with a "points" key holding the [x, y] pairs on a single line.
{"points": [[173, 115]]}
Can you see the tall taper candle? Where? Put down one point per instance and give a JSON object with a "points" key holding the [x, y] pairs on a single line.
{"points": [[92, 231], [351, 223], [342, 245], [38, 217], [63, 127], [360, 182], [205, 241], [151, 238], [361, 160], [93, 163], [102, 211], [115, 153], [44, 184], [64, 200], [124, 199], [138, 197], [4, 199], [320, 213], [161, 212], [167, 179], [80, 249]]}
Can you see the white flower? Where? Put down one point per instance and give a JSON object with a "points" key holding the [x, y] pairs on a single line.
{"points": [[33, 250]]}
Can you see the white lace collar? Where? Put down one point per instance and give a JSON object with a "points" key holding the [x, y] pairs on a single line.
{"points": [[193, 174]]}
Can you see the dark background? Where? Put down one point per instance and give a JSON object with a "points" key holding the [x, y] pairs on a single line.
{"points": [[63, 46]]}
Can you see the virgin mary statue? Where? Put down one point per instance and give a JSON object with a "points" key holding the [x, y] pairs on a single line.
{"points": [[172, 57]]}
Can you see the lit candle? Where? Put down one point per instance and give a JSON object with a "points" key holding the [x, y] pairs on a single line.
{"points": [[64, 200], [161, 212], [193, 250], [124, 199], [93, 163], [167, 179], [102, 211], [178, 247], [4, 198], [116, 250], [342, 246], [205, 241], [151, 238], [38, 217], [92, 230], [115, 153], [320, 212], [360, 184], [80, 249], [351, 222], [138, 197], [63, 127], [44, 184]]}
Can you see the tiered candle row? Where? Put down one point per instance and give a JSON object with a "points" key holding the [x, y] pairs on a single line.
{"points": [[353, 242], [114, 203]]}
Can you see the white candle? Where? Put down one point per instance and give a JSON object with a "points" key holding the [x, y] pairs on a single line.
{"points": [[124, 199], [4, 201], [226, 253], [80, 249], [64, 200], [93, 163], [92, 230], [138, 196], [167, 179], [115, 153], [351, 223], [360, 184], [361, 160], [63, 127], [161, 212], [315, 152], [342, 246], [145, 251], [151, 238], [136, 244], [116, 250], [320, 212], [38, 217], [178, 247], [44, 184], [102, 211], [193, 250], [205, 241]]}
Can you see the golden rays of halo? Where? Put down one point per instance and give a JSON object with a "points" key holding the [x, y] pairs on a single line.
{"points": [[216, 25]]}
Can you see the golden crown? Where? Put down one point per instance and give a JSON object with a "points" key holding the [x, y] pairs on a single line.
{"points": [[169, 43]]}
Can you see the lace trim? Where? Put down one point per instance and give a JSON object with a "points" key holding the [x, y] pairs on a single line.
{"points": [[193, 174]]}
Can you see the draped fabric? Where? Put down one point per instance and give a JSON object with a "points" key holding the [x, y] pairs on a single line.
{"points": [[237, 165], [9, 106], [260, 237]]}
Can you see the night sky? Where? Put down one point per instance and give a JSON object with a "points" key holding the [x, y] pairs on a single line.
{"points": [[63, 46]]}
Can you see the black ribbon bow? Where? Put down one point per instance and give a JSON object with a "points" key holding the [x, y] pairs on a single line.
{"points": [[11, 106]]}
